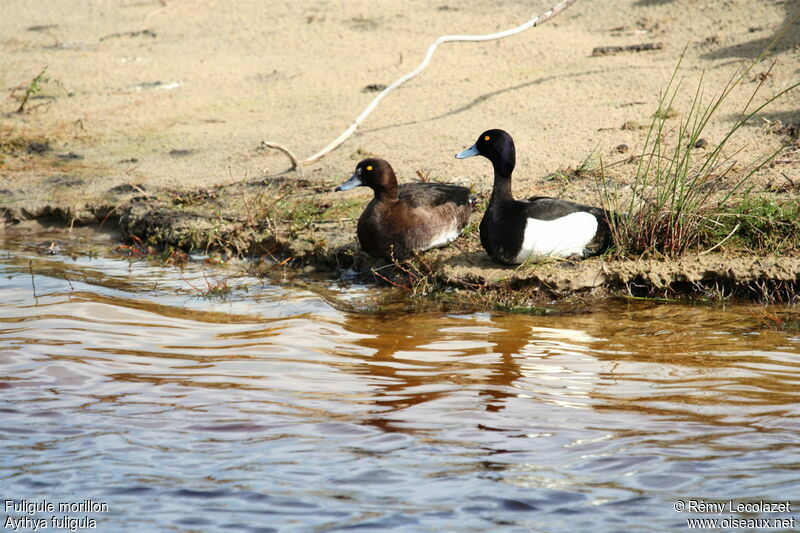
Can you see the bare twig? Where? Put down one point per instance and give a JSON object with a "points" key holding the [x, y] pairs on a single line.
{"points": [[286, 151], [336, 220], [33, 282], [612, 50], [387, 280], [535, 21], [282, 263], [189, 283]]}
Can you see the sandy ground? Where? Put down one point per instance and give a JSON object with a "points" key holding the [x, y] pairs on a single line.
{"points": [[150, 94], [180, 93]]}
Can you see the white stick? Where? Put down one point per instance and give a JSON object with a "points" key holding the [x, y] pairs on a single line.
{"points": [[720, 243], [535, 21]]}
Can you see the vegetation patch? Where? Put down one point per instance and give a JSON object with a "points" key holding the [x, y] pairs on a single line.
{"points": [[681, 196], [16, 141], [277, 218], [761, 225]]}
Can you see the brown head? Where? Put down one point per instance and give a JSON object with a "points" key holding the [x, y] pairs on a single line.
{"points": [[376, 174]]}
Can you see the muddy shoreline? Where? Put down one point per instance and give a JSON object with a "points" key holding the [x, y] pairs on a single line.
{"points": [[230, 222]]}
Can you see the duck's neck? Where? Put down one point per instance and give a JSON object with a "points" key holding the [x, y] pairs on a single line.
{"points": [[387, 195], [503, 167], [388, 192]]}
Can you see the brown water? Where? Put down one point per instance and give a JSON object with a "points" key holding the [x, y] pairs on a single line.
{"points": [[276, 410]]}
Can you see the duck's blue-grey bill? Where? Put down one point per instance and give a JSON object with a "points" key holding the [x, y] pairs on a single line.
{"points": [[469, 152], [351, 183]]}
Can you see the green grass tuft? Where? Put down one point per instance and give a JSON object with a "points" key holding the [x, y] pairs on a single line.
{"points": [[680, 195], [761, 225]]}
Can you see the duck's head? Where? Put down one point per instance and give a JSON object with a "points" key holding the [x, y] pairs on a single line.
{"points": [[376, 174], [495, 145]]}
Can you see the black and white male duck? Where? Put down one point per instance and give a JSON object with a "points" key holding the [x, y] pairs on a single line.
{"points": [[516, 231], [412, 217]]}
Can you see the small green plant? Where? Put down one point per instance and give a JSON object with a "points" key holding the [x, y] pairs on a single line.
{"points": [[588, 166], [679, 199], [33, 88]]}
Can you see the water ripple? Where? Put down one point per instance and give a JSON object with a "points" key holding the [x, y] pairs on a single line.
{"points": [[275, 406]]}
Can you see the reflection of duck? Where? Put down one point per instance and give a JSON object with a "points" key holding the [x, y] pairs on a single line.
{"points": [[408, 218], [508, 337], [621, 379], [422, 359], [515, 231]]}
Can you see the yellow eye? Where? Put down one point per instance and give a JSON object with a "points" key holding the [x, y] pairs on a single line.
{"points": [[486, 138], [369, 167]]}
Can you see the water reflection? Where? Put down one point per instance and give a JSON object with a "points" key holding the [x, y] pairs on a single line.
{"points": [[118, 384]]}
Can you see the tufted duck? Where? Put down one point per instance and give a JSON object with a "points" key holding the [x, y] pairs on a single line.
{"points": [[408, 218], [516, 231]]}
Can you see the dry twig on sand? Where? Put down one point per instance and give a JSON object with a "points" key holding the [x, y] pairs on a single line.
{"points": [[535, 21], [612, 50]]}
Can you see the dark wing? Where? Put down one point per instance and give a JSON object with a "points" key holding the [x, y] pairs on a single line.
{"points": [[544, 208], [433, 194]]}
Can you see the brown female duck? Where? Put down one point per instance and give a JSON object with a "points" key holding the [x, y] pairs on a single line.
{"points": [[412, 217]]}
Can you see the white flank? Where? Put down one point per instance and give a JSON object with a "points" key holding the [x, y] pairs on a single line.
{"points": [[561, 237], [444, 238]]}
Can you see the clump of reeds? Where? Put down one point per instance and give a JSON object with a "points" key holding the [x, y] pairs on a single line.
{"points": [[680, 194]]}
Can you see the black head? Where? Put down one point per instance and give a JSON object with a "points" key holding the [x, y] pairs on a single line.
{"points": [[376, 174], [497, 146]]}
